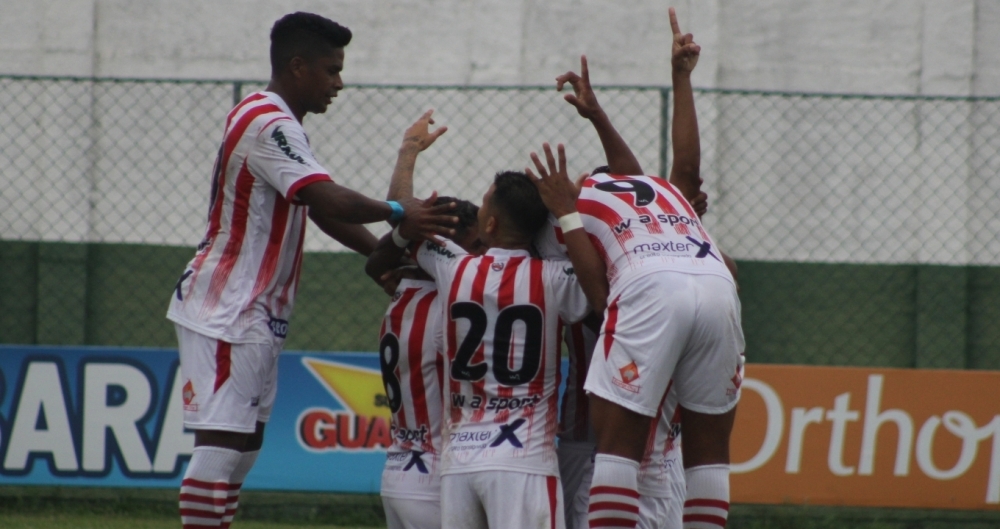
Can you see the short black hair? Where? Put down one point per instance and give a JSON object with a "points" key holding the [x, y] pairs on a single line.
{"points": [[305, 35], [519, 201], [602, 169], [467, 213]]}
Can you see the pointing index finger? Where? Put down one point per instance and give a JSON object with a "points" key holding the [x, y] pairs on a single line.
{"points": [[584, 71], [673, 22]]}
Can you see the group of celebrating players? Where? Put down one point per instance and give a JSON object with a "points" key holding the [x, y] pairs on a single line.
{"points": [[616, 265]]}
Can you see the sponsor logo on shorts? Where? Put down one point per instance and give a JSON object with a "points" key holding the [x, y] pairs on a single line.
{"points": [[629, 373], [278, 327], [188, 394], [737, 381], [254, 402]]}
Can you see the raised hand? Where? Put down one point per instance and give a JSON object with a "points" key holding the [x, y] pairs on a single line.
{"points": [[700, 204], [423, 220], [558, 191], [684, 56], [419, 134], [583, 97]]}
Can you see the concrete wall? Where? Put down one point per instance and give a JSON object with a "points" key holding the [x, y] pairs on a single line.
{"points": [[929, 47]]}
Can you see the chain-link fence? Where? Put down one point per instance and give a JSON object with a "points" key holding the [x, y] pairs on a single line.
{"points": [[865, 228]]}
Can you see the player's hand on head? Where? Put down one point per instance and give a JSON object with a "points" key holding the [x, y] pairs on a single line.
{"points": [[583, 97], [700, 203], [419, 134], [558, 192], [684, 55], [423, 220]]}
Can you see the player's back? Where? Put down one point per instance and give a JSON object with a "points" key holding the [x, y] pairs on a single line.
{"points": [[410, 342], [642, 224], [503, 315]]}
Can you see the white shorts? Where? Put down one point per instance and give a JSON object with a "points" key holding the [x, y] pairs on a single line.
{"points": [[670, 325], [576, 469], [501, 499], [661, 513], [407, 513], [229, 387]]}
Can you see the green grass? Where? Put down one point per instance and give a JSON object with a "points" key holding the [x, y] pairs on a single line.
{"points": [[120, 521], [100, 508], [107, 508]]}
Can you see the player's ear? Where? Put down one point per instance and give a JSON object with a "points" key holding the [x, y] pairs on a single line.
{"points": [[297, 67], [491, 225]]}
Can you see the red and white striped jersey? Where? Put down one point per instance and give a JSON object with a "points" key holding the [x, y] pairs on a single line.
{"points": [[240, 286], [642, 224], [410, 345], [503, 318]]}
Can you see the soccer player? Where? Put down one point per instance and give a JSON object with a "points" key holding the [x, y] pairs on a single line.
{"points": [[410, 348], [661, 474], [674, 315], [503, 312], [232, 303]]}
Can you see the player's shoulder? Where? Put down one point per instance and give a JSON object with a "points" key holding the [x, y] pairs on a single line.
{"points": [[558, 269], [449, 251]]}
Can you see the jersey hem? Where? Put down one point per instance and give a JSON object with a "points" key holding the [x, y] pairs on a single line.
{"points": [[634, 274], [222, 427], [194, 327], [405, 496], [504, 468]]}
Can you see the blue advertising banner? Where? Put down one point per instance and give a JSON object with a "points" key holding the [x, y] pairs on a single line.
{"points": [[113, 417]]}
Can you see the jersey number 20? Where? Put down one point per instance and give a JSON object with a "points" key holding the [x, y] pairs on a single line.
{"points": [[529, 315]]}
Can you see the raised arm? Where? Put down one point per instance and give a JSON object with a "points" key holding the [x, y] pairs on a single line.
{"points": [[685, 173], [416, 139], [559, 195], [331, 205], [620, 158]]}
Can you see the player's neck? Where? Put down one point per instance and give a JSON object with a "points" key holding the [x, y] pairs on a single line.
{"points": [[508, 241], [286, 95]]}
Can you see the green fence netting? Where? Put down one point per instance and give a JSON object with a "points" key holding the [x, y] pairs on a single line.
{"points": [[865, 227]]}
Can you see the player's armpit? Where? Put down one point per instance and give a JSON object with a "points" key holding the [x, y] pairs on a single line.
{"points": [[589, 268], [384, 258]]}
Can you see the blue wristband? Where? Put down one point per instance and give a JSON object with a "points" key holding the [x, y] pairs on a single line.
{"points": [[397, 210]]}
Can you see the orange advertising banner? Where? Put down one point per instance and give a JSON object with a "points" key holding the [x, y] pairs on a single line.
{"points": [[916, 438]]}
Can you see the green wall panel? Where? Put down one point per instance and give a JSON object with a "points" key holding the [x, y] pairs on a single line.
{"points": [[18, 291], [806, 313]]}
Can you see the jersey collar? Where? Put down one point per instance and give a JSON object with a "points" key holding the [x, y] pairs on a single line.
{"points": [[504, 252]]}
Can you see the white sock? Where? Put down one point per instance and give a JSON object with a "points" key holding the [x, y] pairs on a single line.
{"points": [[247, 459], [205, 487], [614, 495], [707, 504]]}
